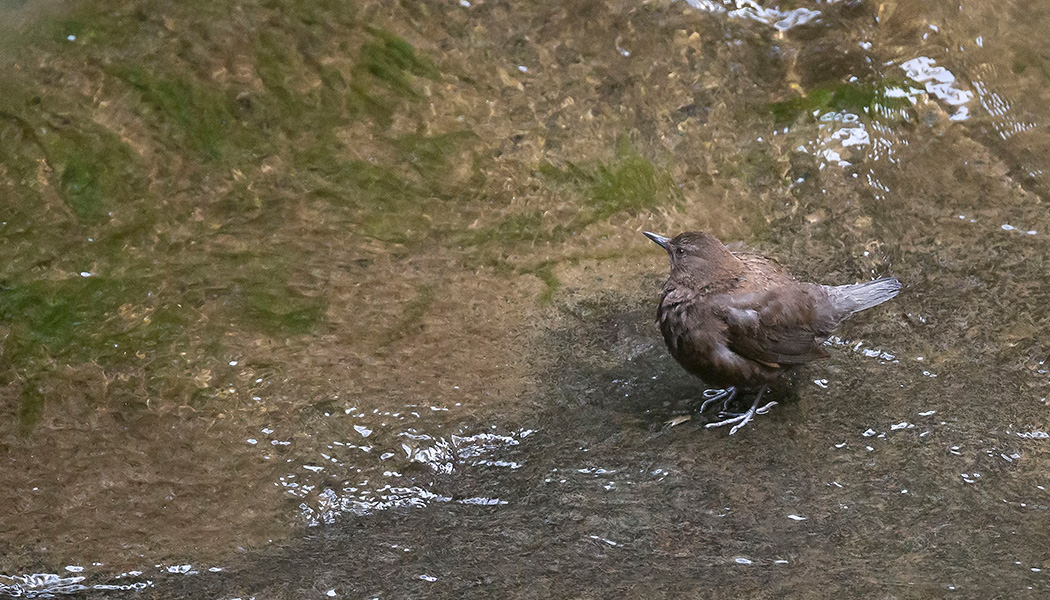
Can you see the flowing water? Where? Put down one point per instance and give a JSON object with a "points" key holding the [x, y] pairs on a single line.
{"points": [[332, 299]]}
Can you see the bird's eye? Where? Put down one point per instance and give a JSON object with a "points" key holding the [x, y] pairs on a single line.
{"points": [[680, 250]]}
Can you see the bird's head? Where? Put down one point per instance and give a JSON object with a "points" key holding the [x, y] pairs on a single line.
{"points": [[694, 255]]}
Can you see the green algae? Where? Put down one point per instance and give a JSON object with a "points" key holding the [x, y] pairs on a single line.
{"points": [[515, 228], [545, 273], [155, 281], [98, 172], [384, 74], [281, 310], [192, 115], [869, 98], [631, 183]]}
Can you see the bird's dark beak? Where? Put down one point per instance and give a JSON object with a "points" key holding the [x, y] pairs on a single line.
{"points": [[659, 239]]}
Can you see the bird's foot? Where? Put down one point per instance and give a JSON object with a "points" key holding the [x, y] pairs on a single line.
{"points": [[726, 396], [738, 421], [725, 414]]}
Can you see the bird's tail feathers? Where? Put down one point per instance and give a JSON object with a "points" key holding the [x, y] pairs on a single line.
{"points": [[856, 297]]}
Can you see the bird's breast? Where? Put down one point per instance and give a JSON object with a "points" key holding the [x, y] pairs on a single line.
{"points": [[688, 325], [696, 334]]}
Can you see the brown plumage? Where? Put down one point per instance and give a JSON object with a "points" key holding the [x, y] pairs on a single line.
{"points": [[739, 321]]}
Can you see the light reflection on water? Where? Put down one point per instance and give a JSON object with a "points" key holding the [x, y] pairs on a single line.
{"points": [[941, 83], [378, 487], [49, 585], [780, 20]]}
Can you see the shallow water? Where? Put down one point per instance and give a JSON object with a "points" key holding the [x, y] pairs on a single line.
{"points": [[319, 300]]}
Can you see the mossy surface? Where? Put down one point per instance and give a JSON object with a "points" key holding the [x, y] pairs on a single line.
{"points": [[630, 184], [857, 98]]}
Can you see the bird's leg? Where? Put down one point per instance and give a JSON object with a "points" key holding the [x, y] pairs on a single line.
{"points": [[715, 395], [745, 418]]}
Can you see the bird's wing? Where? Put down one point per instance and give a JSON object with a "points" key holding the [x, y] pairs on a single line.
{"points": [[773, 328]]}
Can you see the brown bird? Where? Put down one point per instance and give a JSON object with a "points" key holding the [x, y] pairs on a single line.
{"points": [[739, 321]]}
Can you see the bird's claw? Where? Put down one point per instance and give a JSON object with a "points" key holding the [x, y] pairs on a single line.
{"points": [[725, 395], [766, 408], [741, 419]]}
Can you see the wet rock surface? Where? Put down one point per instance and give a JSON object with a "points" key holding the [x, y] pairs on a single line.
{"points": [[337, 300]]}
